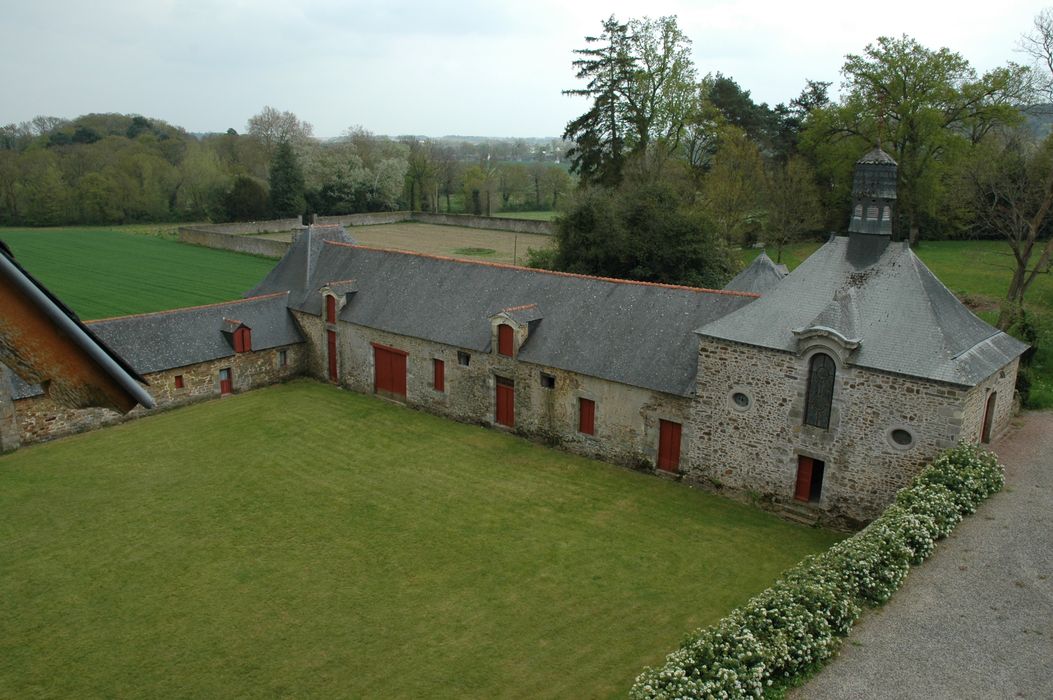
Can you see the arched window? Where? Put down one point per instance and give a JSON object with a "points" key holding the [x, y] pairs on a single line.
{"points": [[821, 374]]}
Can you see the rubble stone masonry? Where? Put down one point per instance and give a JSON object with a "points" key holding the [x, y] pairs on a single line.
{"points": [[39, 418], [756, 448]]}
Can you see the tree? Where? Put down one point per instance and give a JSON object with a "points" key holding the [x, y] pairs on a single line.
{"points": [[793, 206], [272, 128], [641, 83], [924, 107], [640, 231], [287, 183], [732, 189], [247, 200]]}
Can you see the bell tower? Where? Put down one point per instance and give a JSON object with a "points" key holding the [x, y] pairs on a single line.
{"points": [[874, 194]]}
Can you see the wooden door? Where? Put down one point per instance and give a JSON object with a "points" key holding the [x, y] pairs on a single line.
{"points": [[668, 445], [506, 402], [331, 343], [504, 340], [389, 370], [985, 431], [226, 382], [803, 489]]}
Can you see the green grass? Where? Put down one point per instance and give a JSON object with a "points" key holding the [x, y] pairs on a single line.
{"points": [[108, 272], [306, 541], [979, 272], [475, 252]]}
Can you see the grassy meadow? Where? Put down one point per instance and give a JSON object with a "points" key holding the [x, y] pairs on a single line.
{"points": [[306, 541], [978, 272], [103, 272]]}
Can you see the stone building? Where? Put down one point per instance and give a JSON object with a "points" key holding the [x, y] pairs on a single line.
{"points": [[827, 387]]}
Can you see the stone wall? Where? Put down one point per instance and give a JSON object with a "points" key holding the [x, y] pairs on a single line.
{"points": [[626, 421], [239, 243], [544, 228], [366, 219], [1004, 383], [250, 227], [756, 448], [39, 418], [8, 424]]}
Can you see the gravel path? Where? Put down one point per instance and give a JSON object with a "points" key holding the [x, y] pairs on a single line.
{"points": [[976, 620]]}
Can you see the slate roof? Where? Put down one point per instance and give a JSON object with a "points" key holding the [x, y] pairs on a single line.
{"points": [[181, 337], [628, 332], [878, 292], [759, 277]]}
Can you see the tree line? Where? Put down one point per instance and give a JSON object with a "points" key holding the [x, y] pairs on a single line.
{"points": [[116, 168], [730, 171]]}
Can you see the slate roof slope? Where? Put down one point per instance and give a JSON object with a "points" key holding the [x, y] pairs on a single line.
{"points": [[181, 337], [759, 277], [296, 268], [880, 293], [633, 333]]}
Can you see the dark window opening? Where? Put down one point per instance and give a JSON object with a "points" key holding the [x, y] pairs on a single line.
{"points": [[438, 375], [548, 381], [901, 437], [989, 409], [809, 486], [283, 358], [587, 416], [463, 359], [820, 397], [740, 399], [504, 340], [179, 381]]}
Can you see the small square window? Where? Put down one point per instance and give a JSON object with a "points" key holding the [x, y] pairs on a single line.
{"points": [[463, 359], [283, 358], [179, 381], [548, 381]]}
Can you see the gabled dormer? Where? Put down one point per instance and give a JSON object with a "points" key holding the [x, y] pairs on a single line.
{"points": [[335, 296], [510, 328], [237, 334]]}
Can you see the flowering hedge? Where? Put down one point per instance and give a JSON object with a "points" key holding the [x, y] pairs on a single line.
{"points": [[798, 623]]}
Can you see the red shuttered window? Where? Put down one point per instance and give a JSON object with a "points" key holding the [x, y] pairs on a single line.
{"points": [[330, 309]]}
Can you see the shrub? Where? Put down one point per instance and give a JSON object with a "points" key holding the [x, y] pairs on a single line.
{"points": [[791, 628]]}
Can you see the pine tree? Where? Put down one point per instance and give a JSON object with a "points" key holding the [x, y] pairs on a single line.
{"points": [[287, 183]]}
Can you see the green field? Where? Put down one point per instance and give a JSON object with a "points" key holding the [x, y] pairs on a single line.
{"points": [[304, 541], [109, 272], [978, 272]]}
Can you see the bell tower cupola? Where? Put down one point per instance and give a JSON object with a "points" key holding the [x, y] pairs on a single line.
{"points": [[874, 194]]}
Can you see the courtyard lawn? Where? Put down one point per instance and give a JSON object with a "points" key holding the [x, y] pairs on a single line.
{"points": [[105, 272], [306, 541], [978, 272]]}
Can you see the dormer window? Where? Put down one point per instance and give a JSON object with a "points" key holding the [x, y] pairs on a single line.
{"points": [[243, 339], [330, 308], [505, 339]]}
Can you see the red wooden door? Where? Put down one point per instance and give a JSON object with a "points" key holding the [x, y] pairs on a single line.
{"points": [[389, 370], [226, 383], [668, 445], [506, 402], [504, 340], [439, 375], [331, 342], [586, 416], [803, 490]]}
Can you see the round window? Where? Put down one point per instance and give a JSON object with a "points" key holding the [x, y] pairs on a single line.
{"points": [[740, 399], [901, 437]]}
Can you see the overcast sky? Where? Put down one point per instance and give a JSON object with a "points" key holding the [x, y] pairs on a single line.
{"points": [[434, 67]]}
